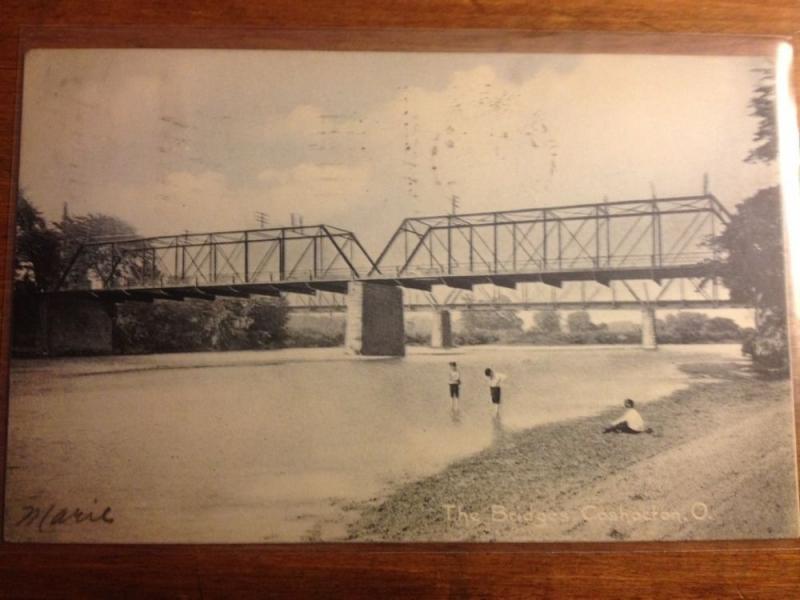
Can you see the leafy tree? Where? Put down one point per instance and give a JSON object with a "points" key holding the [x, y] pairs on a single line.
{"points": [[580, 322], [95, 262], [763, 108], [491, 320], [197, 325], [547, 321], [753, 271], [720, 329], [752, 245], [36, 261], [683, 328], [268, 323]]}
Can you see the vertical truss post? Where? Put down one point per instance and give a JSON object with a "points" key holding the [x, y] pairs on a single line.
{"points": [[597, 236], [715, 255], [544, 241], [560, 249], [660, 239], [608, 238], [449, 244], [212, 260], [246, 257], [183, 263], [282, 255], [654, 233], [321, 254], [471, 249], [494, 245], [175, 271], [514, 247], [315, 241]]}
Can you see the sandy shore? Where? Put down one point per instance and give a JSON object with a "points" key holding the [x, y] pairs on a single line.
{"points": [[720, 464]]}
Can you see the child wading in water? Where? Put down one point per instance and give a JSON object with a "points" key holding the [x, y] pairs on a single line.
{"points": [[495, 379], [455, 385]]}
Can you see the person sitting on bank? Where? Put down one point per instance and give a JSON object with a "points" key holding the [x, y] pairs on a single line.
{"points": [[630, 422]]}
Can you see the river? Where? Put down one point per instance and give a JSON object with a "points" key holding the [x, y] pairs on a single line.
{"points": [[278, 445]]}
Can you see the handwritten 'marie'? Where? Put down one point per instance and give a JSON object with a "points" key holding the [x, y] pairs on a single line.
{"points": [[41, 518]]}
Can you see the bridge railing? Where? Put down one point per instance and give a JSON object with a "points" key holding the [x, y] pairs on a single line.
{"points": [[554, 266]]}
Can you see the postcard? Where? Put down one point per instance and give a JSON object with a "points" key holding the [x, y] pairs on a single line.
{"points": [[350, 295]]}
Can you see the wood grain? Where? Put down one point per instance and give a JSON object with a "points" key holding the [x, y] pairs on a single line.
{"points": [[636, 570]]}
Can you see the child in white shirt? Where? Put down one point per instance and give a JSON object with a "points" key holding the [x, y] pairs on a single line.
{"points": [[495, 379], [455, 386], [630, 422]]}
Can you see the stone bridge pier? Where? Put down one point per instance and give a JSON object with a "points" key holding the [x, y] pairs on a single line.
{"points": [[441, 330], [649, 327], [375, 325]]}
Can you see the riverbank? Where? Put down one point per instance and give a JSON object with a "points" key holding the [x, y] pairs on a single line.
{"points": [[720, 464]]}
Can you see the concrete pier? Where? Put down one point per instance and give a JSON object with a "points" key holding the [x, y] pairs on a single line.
{"points": [[441, 330], [375, 324], [649, 328], [74, 325]]}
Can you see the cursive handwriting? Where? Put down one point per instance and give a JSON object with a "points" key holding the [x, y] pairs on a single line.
{"points": [[43, 518]]}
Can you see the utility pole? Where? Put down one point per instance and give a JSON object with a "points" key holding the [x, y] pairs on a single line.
{"points": [[262, 218], [453, 204]]}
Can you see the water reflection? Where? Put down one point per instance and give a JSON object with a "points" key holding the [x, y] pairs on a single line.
{"points": [[499, 431]]}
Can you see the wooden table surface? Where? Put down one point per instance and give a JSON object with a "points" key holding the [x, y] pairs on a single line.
{"points": [[627, 570]]}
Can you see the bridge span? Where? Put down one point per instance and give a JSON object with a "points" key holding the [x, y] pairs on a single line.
{"points": [[635, 253]]}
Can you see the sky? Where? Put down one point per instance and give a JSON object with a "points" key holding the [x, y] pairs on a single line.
{"points": [[201, 140]]}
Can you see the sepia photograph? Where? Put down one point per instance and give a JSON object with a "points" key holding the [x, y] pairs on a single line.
{"points": [[267, 296]]}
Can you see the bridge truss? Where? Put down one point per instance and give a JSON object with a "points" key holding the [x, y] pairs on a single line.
{"points": [[612, 254], [297, 260]]}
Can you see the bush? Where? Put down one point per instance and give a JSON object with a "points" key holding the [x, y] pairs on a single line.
{"points": [[199, 325]]}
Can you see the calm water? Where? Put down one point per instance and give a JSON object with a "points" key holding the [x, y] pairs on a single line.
{"points": [[257, 446]]}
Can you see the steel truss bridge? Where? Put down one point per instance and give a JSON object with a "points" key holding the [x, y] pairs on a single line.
{"points": [[606, 255]]}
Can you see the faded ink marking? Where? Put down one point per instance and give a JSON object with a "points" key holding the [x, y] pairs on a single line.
{"points": [[47, 518]]}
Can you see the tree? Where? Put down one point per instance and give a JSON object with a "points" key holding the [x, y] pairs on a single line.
{"points": [[94, 262], [580, 322], [752, 245], [753, 271], [763, 107], [475, 321], [720, 329], [683, 328], [36, 261], [268, 323], [548, 321], [491, 320]]}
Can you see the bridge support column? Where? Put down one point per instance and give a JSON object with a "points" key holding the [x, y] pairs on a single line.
{"points": [[74, 325], [649, 328], [375, 324], [441, 330]]}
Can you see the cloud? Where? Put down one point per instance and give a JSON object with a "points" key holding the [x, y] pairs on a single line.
{"points": [[186, 140]]}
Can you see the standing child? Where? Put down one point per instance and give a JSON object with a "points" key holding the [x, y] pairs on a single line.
{"points": [[495, 379], [455, 385]]}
